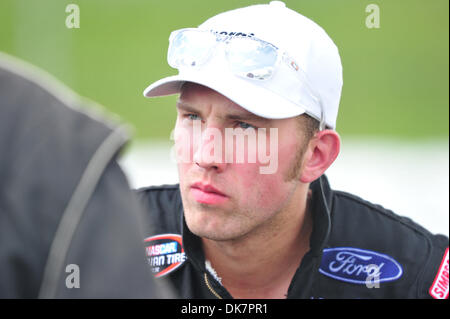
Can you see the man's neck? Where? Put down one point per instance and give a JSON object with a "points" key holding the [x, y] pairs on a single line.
{"points": [[262, 264]]}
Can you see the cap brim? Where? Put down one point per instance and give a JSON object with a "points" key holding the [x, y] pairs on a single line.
{"points": [[166, 86], [253, 98]]}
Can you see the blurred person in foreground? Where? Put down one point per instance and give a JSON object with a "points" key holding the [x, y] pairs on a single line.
{"points": [[271, 227], [69, 224]]}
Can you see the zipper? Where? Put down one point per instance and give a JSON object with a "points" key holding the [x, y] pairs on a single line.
{"points": [[211, 288]]}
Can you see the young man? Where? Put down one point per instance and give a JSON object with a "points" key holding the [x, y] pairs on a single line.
{"points": [[242, 224]]}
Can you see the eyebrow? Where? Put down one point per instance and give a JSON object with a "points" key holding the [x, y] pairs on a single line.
{"points": [[247, 116], [186, 107]]}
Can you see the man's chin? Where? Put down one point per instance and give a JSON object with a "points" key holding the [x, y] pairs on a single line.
{"points": [[215, 232], [211, 222], [203, 230], [216, 236]]}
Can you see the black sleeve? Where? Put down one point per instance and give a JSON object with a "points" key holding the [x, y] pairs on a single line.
{"points": [[46, 145], [108, 246]]}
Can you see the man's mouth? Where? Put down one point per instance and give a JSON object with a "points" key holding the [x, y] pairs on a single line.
{"points": [[207, 194]]}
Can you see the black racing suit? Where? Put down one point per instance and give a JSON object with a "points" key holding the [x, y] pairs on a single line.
{"points": [[357, 250], [66, 209]]}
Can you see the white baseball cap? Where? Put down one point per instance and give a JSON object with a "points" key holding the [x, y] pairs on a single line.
{"points": [[307, 46]]}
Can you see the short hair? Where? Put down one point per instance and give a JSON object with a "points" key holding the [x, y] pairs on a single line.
{"points": [[307, 128], [308, 125]]}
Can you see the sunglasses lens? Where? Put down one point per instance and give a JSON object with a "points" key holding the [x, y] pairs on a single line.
{"points": [[251, 58], [190, 48]]}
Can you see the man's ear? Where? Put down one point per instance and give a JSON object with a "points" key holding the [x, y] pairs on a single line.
{"points": [[322, 151]]}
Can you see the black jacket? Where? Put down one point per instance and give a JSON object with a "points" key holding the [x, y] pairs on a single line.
{"points": [[349, 236], [64, 201]]}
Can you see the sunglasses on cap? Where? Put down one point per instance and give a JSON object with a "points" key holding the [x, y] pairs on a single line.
{"points": [[247, 57]]}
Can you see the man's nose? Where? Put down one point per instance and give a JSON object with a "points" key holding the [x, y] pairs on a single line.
{"points": [[209, 150]]}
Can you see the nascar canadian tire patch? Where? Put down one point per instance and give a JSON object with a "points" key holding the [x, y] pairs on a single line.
{"points": [[165, 253], [439, 288]]}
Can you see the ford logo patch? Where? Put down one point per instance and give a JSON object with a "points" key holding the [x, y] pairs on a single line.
{"points": [[357, 266]]}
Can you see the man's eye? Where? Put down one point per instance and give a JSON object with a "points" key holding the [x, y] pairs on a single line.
{"points": [[244, 125], [192, 117]]}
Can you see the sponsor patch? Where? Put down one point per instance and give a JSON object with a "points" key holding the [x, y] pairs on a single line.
{"points": [[165, 253], [439, 288], [359, 266]]}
